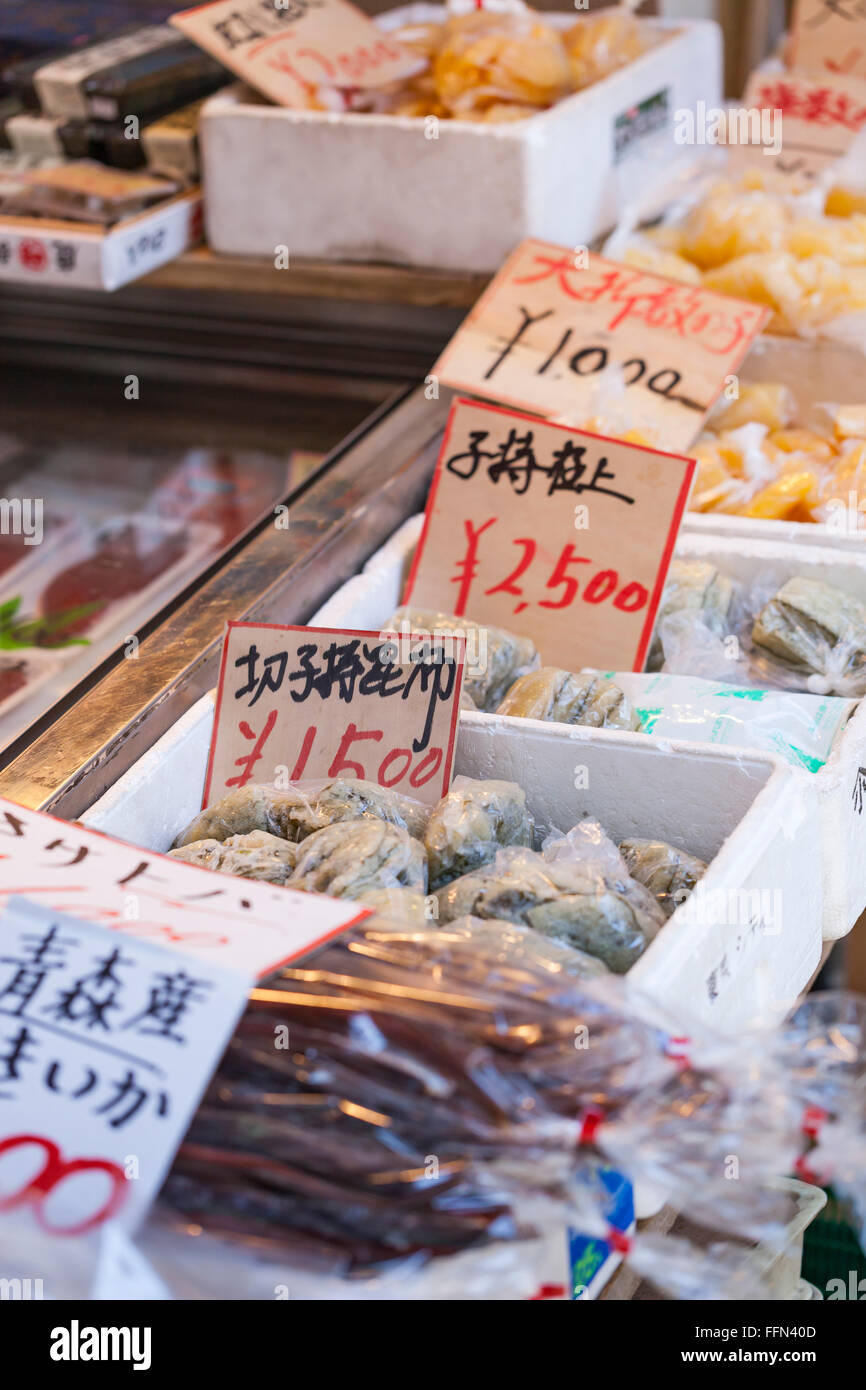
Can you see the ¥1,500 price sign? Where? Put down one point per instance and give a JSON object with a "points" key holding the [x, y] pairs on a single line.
{"points": [[558, 535], [553, 320], [296, 703]]}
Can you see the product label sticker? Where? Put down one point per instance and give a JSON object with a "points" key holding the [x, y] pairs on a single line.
{"points": [[555, 534], [296, 703], [241, 924], [557, 327], [106, 1045], [288, 52]]}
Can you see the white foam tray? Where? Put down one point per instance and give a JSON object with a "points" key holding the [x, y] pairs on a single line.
{"points": [[843, 825], [818, 373], [363, 187], [368, 600], [749, 814]]}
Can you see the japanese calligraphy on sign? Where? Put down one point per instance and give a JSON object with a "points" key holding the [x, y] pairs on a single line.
{"points": [[288, 50], [820, 117], [829, 36], [240, 924], [106, 1044], [558, 535], [304, 702], [553, 320]]}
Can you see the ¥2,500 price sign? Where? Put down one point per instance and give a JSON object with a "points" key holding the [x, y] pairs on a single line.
{"points": [[552, 320], [296, 703], [558, 535]]}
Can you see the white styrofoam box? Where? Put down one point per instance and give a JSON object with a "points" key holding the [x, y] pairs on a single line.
{"points": [[369, 599], [818, 372], [365, 187], [79, 255], [841, 782], [749, 814]]}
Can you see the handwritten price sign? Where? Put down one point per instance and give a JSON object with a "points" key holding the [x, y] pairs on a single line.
{"points": [[820, 116], [106, 1045], [829, 36], [307, 702], [241, 925], [558, 535], [552, 320], [288, 51]]}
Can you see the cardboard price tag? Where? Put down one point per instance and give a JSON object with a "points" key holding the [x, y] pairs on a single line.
{"points": [[553, 320], [819, 118], [240, 924], [558, 535], [828, 36], [106, 1046], [288, 51], [296, 703]]}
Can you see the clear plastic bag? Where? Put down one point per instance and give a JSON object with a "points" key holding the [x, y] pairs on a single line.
{"points": [[577, 890], [472, 823], [297, 810], [494, 657]]}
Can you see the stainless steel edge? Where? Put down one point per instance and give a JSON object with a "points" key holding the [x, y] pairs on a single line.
{"points": [[366, 488]]}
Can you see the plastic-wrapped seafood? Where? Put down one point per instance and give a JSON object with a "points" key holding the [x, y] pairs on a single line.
{"points": [[299, 810], [403, 905], [351, 798], [471, 823], [564, 698], [694, 586], [239, 812], [697, 589], [578, 891], [350, 858], [813, 625], [670, 874], [600, 44], [257, 854], [499, 656], [457, 1042]]}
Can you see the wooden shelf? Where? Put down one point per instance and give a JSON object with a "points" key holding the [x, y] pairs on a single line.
{"points": [[201, 269]]}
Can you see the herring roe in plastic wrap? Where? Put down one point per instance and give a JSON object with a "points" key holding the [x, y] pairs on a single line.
{"points": [[293, 812], [471, 823], [578, 890], [495, 658], [790, 633]]}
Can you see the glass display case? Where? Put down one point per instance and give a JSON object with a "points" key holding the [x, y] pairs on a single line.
{"points": [[325, 529]]}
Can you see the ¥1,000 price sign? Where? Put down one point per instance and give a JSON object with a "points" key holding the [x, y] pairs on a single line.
{"points": [[553, 320], [288, 51], [296, 703], [558, 535]]}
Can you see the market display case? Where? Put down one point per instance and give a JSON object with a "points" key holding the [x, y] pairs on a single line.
{"points": [[365, 489], [505, 1032]]}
